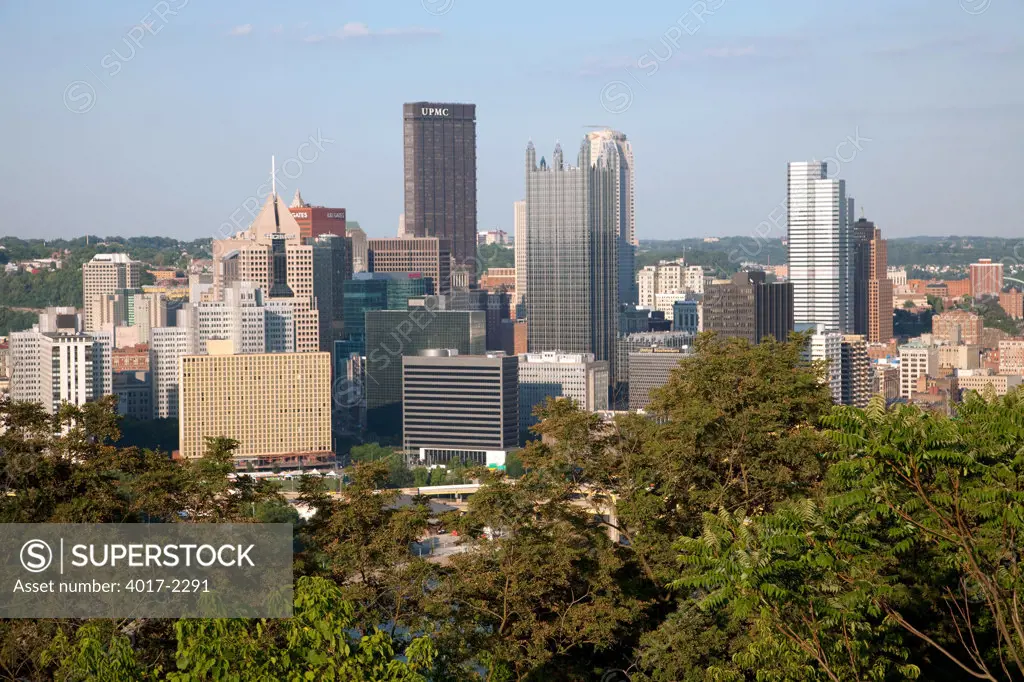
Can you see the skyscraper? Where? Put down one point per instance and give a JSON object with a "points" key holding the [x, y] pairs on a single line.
{"points": [[855, 370], [749, 308], [986, 278], [430, 256], [440, 176], [820, 262], [332, 267], [106, 274], [519, 222], [51, 368], [872, 288], [572, 265], [618, 154]]}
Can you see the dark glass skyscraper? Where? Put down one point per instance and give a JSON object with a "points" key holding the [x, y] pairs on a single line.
{"points": [[391, 334], [440, 176], [332, 266], [749, 308], [572, 273]]}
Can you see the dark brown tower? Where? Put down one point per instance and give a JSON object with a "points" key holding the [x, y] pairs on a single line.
{"points": [[440, 176]]}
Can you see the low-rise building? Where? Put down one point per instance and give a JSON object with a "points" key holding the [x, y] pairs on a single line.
{"points": [[981, 379], [577, 376]]}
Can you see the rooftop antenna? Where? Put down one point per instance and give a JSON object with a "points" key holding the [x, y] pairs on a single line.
{"points": [[273, 186]]}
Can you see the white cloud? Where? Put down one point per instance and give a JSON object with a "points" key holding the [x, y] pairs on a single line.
{"points": [[357, 29], [243, 30], [353, 29]]}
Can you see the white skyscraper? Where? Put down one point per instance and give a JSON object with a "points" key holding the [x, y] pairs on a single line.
{"points": [[169, 345], [827, 346], [820, 248]]}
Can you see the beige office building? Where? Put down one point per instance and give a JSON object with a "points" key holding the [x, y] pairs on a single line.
{"points": [[961, 356], [1011, 357], [276, 405], [102, 276], [249, 257], [980, 379]]}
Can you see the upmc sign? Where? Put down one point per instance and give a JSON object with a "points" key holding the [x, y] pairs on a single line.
{"points": [[431, 111]]}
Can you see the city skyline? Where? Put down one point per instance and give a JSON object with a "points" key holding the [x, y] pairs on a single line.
{"points": [[721, 111]]}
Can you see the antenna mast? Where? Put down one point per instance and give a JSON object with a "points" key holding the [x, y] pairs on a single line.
{"points": [[273, 178]]}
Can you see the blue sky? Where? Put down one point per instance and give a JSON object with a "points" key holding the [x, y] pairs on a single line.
{"points": [[113, 128]]}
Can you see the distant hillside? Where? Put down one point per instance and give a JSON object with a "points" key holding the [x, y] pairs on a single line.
{"points": [[727, 253]]}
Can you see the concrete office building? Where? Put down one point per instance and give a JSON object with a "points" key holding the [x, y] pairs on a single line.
{"points": [[276, 405], [105, 274], [255, 323], [916, 360], [429, 256], [270, 255], [360, 247], [982, 380], [440, 176], [856, 371], [628, 344], [51, 368], [826, 346], [667, 278], [820, 245], [391, 334], [168, 346], [460, 408], [577, 376], [959, 357], [332, 267], [872, 288], [650, 368], [61, 319], [749, 308], [572, 265], [1011, 357], [986, 278], [958, 327]]}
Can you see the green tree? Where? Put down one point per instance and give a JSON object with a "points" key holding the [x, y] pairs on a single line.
{"points": [[362, 540], [541, 597], [317, 643], [906, 568]]}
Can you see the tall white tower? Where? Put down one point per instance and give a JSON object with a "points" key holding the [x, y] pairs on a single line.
{"points": [[820, 248]]}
